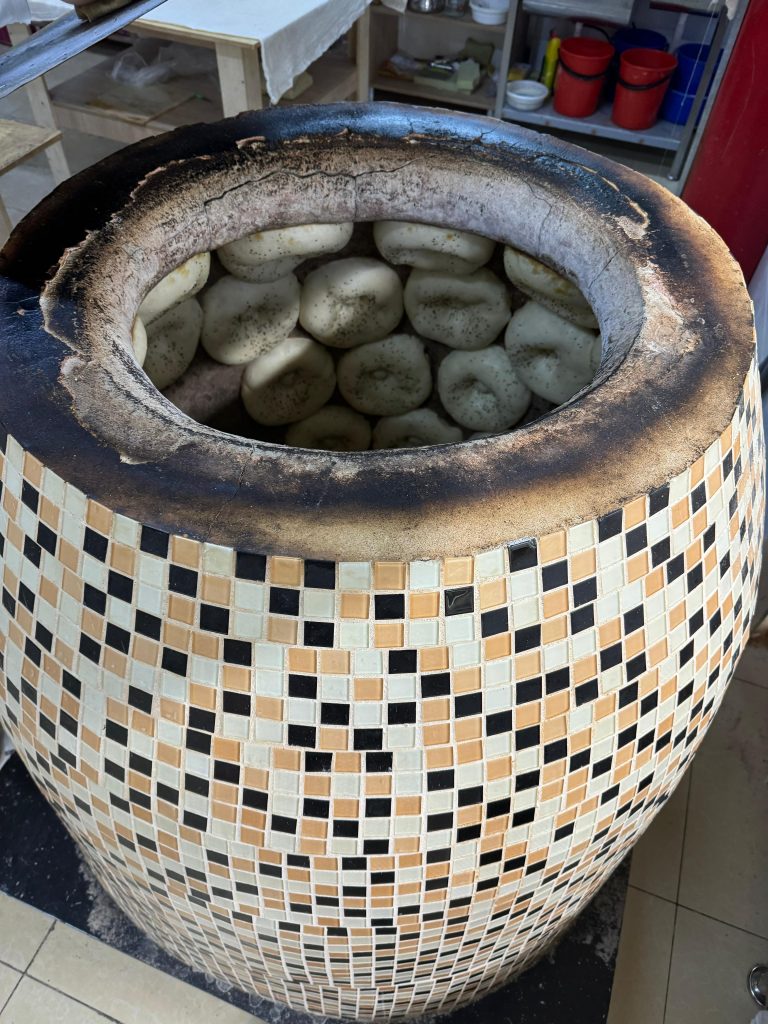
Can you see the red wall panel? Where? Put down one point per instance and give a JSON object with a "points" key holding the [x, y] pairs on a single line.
{"points": [[728, 182]]}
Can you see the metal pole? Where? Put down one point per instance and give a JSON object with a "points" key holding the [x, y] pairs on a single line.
{"points": [[506, 51], [701, 94]]}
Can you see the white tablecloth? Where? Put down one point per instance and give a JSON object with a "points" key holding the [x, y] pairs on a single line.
{"points": [[291, 33]]}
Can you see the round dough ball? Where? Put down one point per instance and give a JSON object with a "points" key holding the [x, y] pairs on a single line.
{"points": [[288, 383], [351, 302], [139, 340], [415, 429], [428, 247], [180, 284], [334, 429], [268, 255], [243, 319], [481, 391], [171, 343], [554, 357], [464, 311], [549, 377], [546, 286], [386, 378]]}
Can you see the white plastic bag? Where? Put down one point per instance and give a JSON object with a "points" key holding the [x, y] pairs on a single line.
{"points": [[149, 61]]}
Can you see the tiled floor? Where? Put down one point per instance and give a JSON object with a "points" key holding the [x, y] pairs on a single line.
{"points": [[696, 917], [52, 973]]}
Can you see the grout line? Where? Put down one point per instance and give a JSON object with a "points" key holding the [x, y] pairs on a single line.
{"points": [[66, 995], [649, 892], [74, 999], [10, 994], [23, 970], [669, 967], [689, 787], [750, 682], [702, 913], [677, 894], [44, 940]]}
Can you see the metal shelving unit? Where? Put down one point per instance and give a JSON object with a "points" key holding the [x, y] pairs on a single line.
{"points": [[384, 30], [662, 135], [672, 138], [465, 20], [403, 87]]}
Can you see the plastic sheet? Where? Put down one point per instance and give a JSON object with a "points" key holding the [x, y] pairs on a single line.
{"points": [[148, 61]]}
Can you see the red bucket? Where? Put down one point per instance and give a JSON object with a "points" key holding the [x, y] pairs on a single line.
{"points": [[581, 74], [644, 77]]}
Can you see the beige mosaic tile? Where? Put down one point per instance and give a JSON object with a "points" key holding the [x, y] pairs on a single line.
{"points": [[284, 768]]}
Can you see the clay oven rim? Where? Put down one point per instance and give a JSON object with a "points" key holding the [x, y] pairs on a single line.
{"points": [[673, 308]]}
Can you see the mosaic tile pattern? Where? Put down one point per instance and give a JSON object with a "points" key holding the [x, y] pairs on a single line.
{"points": [[370, 790]]}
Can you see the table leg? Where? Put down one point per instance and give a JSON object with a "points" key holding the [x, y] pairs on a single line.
{"points": [[506, 53], [42, 112], [239, 78], [363, 56]]}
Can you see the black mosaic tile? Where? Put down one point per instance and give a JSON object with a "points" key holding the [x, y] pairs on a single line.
{"points": [[522, 555]]}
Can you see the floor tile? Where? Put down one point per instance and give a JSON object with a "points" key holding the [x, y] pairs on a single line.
{"points": [[9, 979], [642, 963], [708, 974], [725, 855], [22, 930], [123, 988], [657, 857], [33, 1003], [753, 667]]}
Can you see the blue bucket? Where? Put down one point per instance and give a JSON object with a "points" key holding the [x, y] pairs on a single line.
{"points": [[691, 59], [677, 106], [632, 38]]}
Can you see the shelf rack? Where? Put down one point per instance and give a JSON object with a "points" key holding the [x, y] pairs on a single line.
{"points": [[663, 135], [673, 138]]}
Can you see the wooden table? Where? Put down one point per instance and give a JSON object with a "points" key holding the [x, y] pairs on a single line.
{"points": [[239, 64], [94, 104], [18, 142]]}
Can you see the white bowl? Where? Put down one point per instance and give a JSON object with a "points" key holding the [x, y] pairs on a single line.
{"points": [[489, 12], [526, 94]]}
